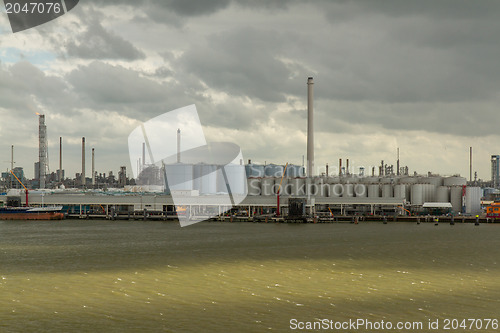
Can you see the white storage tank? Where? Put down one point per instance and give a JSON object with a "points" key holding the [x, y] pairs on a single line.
{"points": [[443, 194], [273, 170], [434, 180], [348, 191], [387, 191], [254, 170], [360, 191], [254, 186], [429, 192], [180, 176], [285, 187], [417, 194], [373, 191], [456, 198], [294, 171], [400, 191], [297, 186], [267, 186], [473, 200], [454, 181], [335, 190], [408, 180]]}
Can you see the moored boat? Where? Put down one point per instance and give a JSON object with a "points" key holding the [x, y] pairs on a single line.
{"points": [[31, 213]]}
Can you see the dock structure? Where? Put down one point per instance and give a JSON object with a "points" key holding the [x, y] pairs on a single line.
{"points": [[162, 206]]}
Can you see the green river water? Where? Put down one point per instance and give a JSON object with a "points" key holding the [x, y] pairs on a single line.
{"points": [[135, 276]]}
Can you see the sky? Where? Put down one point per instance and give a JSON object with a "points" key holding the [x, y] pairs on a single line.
{"points": [[419, 75]]}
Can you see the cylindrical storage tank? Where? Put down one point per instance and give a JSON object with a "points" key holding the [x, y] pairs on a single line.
{"points": [[180, 176], [297, 186], [456, 198], [434, 180], [236, 179], [370, 180], [443, 194], [455, 181], [348, 191], [273, 170], [417, 194], [386, 180], [294, 171], [373, 191], [429, 192], [254, 170], [254, 186], [408, 180], [400, 191], [319, 187], [284, 189], [335, 190], [387, 191], [473, 200], [360, 191], [205, 178], [267, 186]]}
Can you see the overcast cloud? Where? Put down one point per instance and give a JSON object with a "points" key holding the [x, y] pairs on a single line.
{"points": [[419, 75]]}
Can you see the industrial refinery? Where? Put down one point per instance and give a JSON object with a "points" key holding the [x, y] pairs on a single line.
{"points": [[251, 191]]}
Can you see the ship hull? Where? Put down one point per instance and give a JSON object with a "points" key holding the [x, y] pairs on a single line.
{"points": [[32, 216]]}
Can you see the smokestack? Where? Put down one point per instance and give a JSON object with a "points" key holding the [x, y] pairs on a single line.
{"points": [[327, 169], [143, 154], [310, 128], [347, 167], [42, 148], [60, 178], [397, 171], [470, 164], [83, 161], [12, 158], [340, 167], [93, 168], [178, 145]]}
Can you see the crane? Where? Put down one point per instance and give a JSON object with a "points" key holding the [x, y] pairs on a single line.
{"points": [[20, 182]]}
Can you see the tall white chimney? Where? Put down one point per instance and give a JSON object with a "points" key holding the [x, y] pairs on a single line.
{"points": [[178, 145], [83, 162], [310, 128], [93, 168]]}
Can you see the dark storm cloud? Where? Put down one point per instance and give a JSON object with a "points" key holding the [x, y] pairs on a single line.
{"points": [[245, 62], [98, 43]]}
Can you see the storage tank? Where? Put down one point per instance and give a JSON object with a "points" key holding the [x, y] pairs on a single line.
{"points": [[443, 194], [254, 186], [180, 176], [285, 188], [370, 180], [267, 186], [297, 186], [273, 170], [294, 171], [373, 191], [205, 178], [429, 191], [236, 177], [408, 180], [454, 181], [360, 191], [417, 194], [387, 191], [254, 170], [319, 187], [335, 190], [473, 200], [348, 191], [386, 180], [400, 192], [434, 180], [456, 198]]}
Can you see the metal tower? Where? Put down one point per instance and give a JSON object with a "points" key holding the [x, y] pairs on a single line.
{"points": [[42, 149]]}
